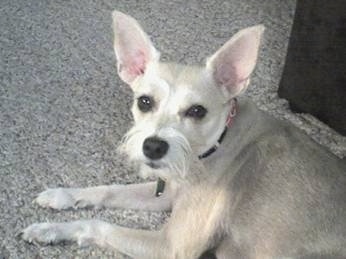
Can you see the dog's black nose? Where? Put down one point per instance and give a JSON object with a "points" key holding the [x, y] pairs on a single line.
{"points": [[155, 148]]}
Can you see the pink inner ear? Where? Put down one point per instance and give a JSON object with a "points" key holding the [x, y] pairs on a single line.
{"points": [[235, 61], [133, 48], [229, 74], [136, 65]]}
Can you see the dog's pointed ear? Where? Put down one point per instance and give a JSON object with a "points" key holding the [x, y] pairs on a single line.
{"points": [[133, 48], [232, 65]]}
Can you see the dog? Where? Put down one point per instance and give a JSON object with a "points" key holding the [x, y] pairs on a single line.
{"points": [[239, 183]]}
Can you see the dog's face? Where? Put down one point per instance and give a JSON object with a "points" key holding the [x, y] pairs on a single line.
{"points": [[174, 116], [179, 111]]}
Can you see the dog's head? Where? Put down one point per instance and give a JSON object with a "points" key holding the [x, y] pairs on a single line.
{"points": [[179, 111]]}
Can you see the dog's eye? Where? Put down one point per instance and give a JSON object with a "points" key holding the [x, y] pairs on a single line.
{"points": [[145, 103], [196, 111]]}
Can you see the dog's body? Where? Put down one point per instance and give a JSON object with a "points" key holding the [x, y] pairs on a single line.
{"points": [[267, 191]]}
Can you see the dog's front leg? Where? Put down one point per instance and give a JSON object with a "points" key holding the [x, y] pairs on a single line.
{"points": [[132, 196], [135, 243]]}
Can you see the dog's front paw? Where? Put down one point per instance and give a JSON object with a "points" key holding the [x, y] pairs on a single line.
{"points": [[58, 199], [84, 233], [43, 233]]}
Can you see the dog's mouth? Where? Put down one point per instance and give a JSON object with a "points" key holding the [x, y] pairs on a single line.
{"points": [[154, 164]]}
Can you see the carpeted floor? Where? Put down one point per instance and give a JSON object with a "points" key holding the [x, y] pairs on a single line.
{"points": [[63, 109]]}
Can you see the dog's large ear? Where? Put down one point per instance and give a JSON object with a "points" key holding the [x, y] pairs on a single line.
{"points": [[133, 48], [232, 64]]}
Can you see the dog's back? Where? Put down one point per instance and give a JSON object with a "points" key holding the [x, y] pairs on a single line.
{"points": [[288, 194]]}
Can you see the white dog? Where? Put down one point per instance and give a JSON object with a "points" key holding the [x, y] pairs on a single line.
{"points": [[240, 184]]}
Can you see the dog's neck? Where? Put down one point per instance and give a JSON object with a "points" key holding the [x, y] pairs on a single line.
{"points": [[160, 187], [214, 147], [229, 122]]}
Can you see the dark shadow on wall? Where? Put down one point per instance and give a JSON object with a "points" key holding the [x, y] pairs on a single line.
{"points": [[314, 78]]}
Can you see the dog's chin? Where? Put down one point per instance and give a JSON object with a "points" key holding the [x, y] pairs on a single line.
{"points": [[155, 164]]}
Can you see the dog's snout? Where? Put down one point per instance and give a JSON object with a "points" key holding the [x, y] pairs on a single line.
{"points": [[155, 148]]}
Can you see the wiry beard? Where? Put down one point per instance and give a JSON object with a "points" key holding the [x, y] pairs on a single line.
{"points": [[176, 163]]}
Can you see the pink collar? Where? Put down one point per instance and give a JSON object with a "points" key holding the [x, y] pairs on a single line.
{"points": [[232, 112]]}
